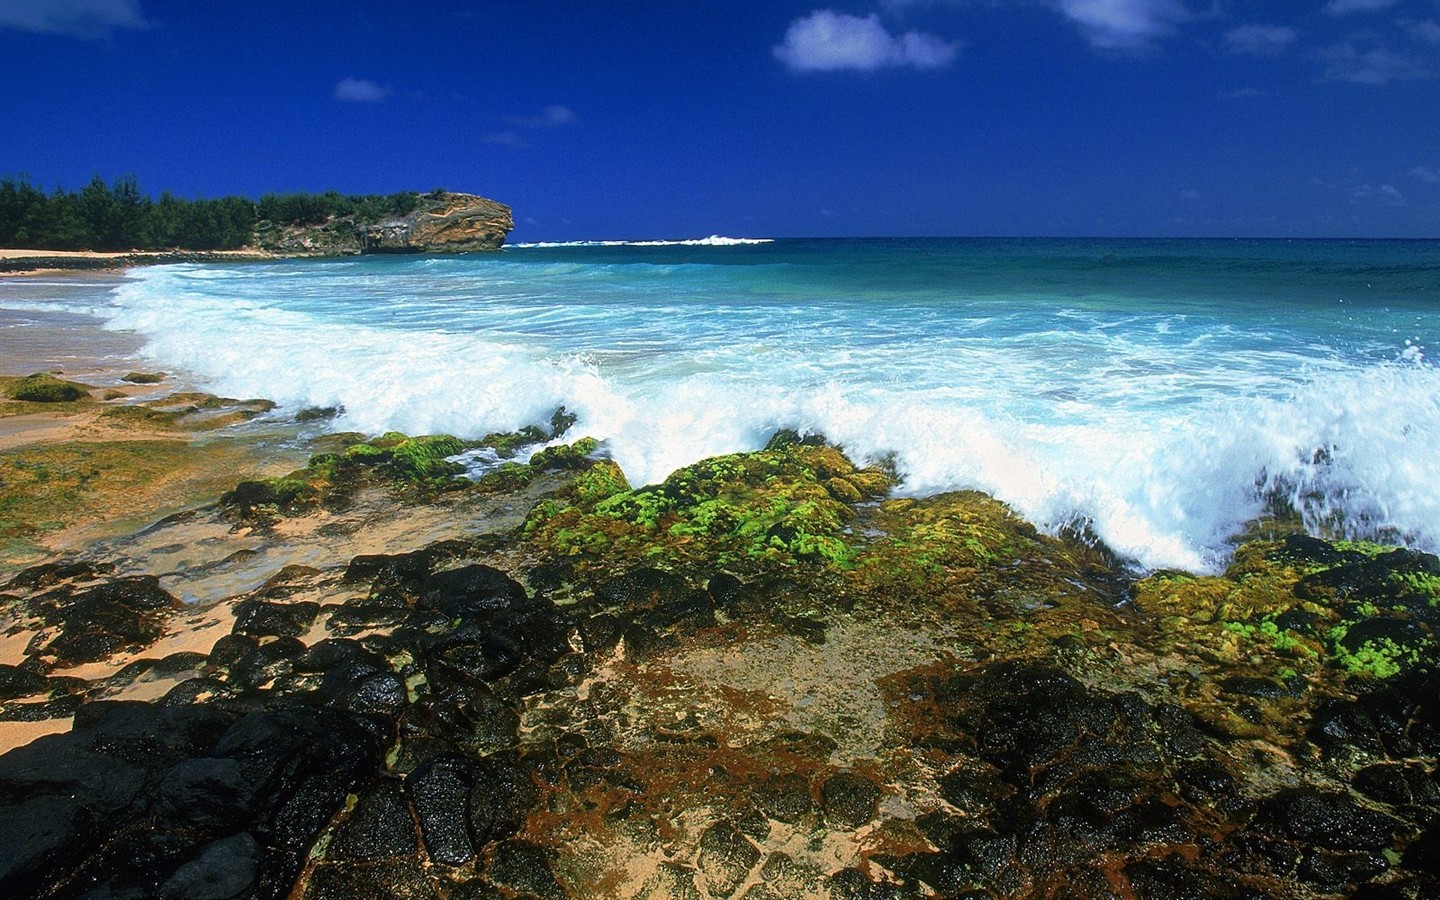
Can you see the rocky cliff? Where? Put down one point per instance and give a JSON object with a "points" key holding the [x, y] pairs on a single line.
{"points": [[442, 222]]}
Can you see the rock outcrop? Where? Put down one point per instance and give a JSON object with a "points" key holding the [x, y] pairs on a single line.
{"points": [[442, 222], [760, 679]]}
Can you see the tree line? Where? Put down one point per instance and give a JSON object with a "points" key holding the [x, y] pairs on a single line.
{"points": [[118, 216]]}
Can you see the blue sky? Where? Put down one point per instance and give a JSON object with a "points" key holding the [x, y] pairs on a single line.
{"points": [[760, 118]]}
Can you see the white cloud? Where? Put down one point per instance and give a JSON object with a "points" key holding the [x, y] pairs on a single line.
{"points": [[74, 18], [1382, 195], [827, 41], [1371, 62], [1427, 175], [1259, 40], [1346, 7], [1128, 25], [507, 139], [552, 116], [1426, 31], [360, 90]]}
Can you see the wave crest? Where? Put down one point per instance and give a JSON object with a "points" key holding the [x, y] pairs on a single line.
{"points": [[713, 240]]}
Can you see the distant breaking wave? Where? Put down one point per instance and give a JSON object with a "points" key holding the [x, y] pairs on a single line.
{"points": [[713, 240]]}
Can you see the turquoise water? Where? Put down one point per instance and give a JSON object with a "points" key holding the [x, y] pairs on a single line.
{"points": [[1156, 391]]}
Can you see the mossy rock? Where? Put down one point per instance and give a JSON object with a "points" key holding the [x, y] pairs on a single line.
{"points": [[566, 456], [424, 458], [143, 377], [509, 443], [415, 464], [318, 413], [748, 511], [266, 497], [1306, 604], [128, 483], [45, 388]]}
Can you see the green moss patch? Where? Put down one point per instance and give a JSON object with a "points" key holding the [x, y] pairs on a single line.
{"points": [[415, 463], [1353, 608], [48, 487], [746, 511], [45, 388]]}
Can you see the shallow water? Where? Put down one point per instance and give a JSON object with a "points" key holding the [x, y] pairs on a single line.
{"points": [[40, 331], [1156, 391]]}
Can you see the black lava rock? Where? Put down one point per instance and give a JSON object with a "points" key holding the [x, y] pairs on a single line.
{"points": [[784, 797], [18, 682], [470, 591], [525, 868], [261, 618], [1325, 819], [224, 869], [849, 799], [440, 791], [380, 826]]}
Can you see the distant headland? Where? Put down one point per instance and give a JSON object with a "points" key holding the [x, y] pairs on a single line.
{"points": [[105, 226]]}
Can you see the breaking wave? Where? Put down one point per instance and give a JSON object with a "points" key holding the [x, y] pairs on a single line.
{"points": [[1162, 428], [713, 240]]}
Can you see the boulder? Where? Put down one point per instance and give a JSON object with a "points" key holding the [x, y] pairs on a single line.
{"points": [[44, 388]]}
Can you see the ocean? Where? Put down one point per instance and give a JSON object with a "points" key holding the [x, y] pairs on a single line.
{"points": [[1158, 393]]}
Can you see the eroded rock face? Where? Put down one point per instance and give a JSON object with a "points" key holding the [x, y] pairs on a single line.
{"points": [[443, 222], [452, 223]]}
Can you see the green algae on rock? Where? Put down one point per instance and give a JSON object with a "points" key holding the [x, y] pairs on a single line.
{"points": [[420, 465], [331, 478], [1297, 605], [187, 411], [43, 387], [751, 511], [51, 487]]}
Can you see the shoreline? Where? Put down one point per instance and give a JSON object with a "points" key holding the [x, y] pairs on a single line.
{"points": [[764, 677], [15, 262]]}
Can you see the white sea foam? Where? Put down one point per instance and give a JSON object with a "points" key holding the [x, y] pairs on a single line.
{"points": [[713, 240], [1162, 438]]}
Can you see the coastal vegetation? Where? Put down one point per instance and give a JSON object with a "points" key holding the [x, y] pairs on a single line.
{"points": [[120, 216]]}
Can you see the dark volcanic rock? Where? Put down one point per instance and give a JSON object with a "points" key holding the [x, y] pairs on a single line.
{"points": [[39, 837], [303, 761], [785, 798], [501, 794], [380, 826], [96, 622], [471, 591], [385, 881], [1325, 819], [225, 868], [440, 792], [266, 663], [525, 868], [135, 591], [726, 857], [260, 618], [1360, 577], [849, 799], [18, 682]]}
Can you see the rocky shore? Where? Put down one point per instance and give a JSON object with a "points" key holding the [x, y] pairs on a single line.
{"points": [[351, 672], [442, 222]]}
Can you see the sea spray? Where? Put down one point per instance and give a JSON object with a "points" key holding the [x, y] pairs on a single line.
{"points": [[1161, 397]]}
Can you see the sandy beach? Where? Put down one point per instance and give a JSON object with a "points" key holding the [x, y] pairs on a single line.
{"points": [[20, 262]]}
